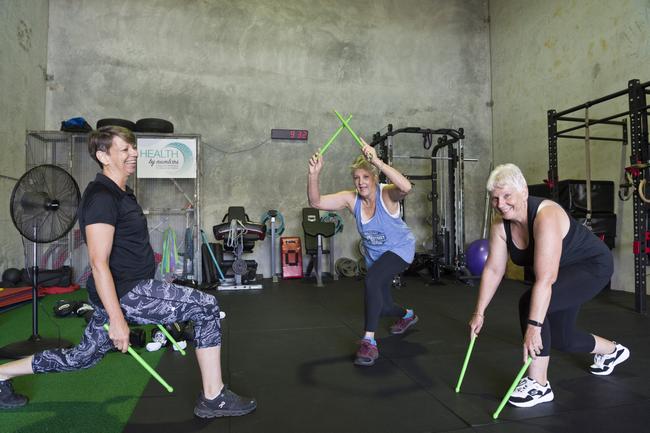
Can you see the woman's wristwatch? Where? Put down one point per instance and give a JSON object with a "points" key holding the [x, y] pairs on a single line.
{"points": [[534, 323]]}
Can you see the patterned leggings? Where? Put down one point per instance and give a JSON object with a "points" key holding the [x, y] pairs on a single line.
{"points": [[149, 302]]}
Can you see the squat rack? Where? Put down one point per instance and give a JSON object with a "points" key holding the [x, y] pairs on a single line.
{"points": [[636, 174], [448, 243]]}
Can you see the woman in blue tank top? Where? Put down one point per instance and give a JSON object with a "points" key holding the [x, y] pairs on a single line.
{"points": [[389, 243], [571, 266]]}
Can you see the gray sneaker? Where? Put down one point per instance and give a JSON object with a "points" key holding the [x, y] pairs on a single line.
{"points": [[227, 403], [8, 398]]}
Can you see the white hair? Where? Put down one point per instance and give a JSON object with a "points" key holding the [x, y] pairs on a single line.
{"points": [[506, 175]]}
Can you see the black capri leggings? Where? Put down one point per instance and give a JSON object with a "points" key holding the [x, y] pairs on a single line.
{"points": [[149, 302], [379, 279], [575, 285]]}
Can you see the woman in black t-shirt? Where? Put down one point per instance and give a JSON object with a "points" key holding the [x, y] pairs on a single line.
{"points": [[122, 287]]}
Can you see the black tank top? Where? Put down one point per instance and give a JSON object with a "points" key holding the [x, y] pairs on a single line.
{"points": [[578, 245]]}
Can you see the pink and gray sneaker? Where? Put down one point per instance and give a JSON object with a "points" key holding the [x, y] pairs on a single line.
{"points": [[367, 353], [403, 324]]}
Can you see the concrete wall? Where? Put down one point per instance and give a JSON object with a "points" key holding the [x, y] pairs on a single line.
{"points": [[23, 50], [555, 55], [231, 71]]}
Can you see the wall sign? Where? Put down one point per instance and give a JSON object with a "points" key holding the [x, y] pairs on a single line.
{"points": [[166, 157]]}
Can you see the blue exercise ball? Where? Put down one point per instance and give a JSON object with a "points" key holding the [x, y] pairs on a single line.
{"points": [[476, 256]]}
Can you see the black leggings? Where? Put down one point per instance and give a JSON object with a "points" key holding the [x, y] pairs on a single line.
{"points": [[379, 279], [575, 285]]}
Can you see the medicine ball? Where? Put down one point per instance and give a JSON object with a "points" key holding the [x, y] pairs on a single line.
{"points": [[12, 275]]}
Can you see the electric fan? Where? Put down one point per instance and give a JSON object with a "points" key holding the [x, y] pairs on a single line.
{"points": [[43, 208]]}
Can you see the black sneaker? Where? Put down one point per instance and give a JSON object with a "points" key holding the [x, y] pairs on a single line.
{"points": [[227, 403], [604, 364], [8, 398]]}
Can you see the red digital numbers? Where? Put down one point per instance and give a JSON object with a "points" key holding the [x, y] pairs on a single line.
{"points": [[289, 134]]}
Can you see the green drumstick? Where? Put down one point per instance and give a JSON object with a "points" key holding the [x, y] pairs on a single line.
{"points": [[170, 338], [512, 388], [332, 138], [469, 353], [146, 366], [345, 123]]}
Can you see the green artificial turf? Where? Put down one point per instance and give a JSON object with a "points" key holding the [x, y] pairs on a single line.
{"points": [[99, 399]]}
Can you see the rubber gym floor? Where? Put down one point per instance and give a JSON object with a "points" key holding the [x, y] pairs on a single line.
{"points": [[291, 346]]}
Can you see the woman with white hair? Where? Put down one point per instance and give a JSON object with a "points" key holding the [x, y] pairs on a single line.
{"points": [[571, 265], [388, 241]]}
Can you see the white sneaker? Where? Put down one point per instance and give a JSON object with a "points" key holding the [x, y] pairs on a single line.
{"points": [[530, 393], [159, 340], [604, 364], [182, 344]]}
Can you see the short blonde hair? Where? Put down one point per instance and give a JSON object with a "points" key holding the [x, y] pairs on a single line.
{"points": [[362, 163], [506, 175]]}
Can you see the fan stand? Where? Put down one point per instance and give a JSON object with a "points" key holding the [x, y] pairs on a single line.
{"points": [[35, 343]]}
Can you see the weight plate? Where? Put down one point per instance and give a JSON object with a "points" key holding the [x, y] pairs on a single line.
{"points": [[239, 266], [361, 264], [346, 267]]}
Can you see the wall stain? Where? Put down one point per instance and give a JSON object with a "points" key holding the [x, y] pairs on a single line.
{"points": [[595, 71], [24, 34]]}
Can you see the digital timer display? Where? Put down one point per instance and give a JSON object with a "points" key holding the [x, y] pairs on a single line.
{"points": [[289, 134]]}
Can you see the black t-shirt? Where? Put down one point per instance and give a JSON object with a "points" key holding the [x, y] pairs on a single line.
{"points": [[131, 258]]}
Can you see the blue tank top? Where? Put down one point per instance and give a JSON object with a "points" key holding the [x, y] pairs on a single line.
{"points": [[384, 232]]}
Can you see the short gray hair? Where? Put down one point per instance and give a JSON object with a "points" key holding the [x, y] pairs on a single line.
{"points": [[506, 175], [362, 163]]}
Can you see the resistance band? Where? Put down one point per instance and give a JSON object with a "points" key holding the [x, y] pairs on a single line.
{"points": [[512, 388], [462, 371], [146, 366], [332, 138], [345, 124], [170, 260]]}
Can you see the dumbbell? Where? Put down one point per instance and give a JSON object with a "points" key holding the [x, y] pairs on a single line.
{"points": [[137, 337]]}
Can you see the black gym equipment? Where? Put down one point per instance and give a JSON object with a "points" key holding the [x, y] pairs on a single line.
{"points": [[137, 337], [448, 234], [238, 235], [315, 230], [63, 308], [43, 209], [116, 122], [275, 228], [333, 217], [153, 125], [11, 277], [634, 177], [598, 215]]}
